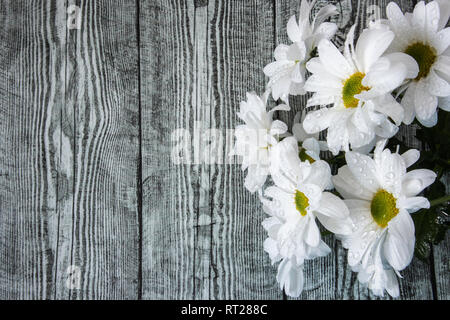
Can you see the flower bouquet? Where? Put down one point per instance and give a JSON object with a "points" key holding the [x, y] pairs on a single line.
{"points": [[397, 71]]}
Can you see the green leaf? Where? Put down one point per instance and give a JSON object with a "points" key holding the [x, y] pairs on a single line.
{"points": [[431, 224]]}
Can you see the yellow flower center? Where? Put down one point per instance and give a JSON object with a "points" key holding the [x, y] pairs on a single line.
{"points": [[304, 156], [353, 86], [301, 202], [383, 207], [425, 57]]}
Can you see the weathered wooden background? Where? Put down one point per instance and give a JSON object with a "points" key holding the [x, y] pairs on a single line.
{"points": [[86, 177]]}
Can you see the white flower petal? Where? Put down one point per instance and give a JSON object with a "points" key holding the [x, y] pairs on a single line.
{"points": [[359, 133], [397, 20], [323, 14], [390, 107], [359, 212], [419, 19], [286, 168], [410, 157], [323, 84], [327, 30], [367, 148], [312, 233], [319, 99], [430, 122], [255, 178], [278, 68], [442, 66], [314, 65], [393, 168], [411, 65], [338, 135], [297, 51], [386, 129], [280, 88], [278, 127], [293, 31], [444, 103], [432, 18], [361, 241], [318, 120], [296, 75], [280, 52], [349, 50], [346, 184], [444, 8], [320, 174], [320, 251], [437, 86], [409, 104], [425, 103], [363, 169], [442, 41], [332, 206], [341, 227], [270, 246], [399, 244], [296, 89], [299, 132], [391, 284], [414, 204], [385, 77], [290, 277], [280, 107], [333, 60], [372, 43], [416, 180], [272, 225]]}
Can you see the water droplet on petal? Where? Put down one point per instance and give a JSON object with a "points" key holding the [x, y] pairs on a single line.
{"points": [[390, 175]]}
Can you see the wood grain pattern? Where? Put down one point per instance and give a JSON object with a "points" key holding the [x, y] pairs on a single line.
{"points": [[209, 225], [442, 269], [91, 121], [170, 192], [100, 230], [241, 45], [31, 95]]}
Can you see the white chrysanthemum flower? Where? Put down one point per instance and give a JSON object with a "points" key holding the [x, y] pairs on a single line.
{"points": [[287, 73], [380, 195], [298, 197], [309, 144], [359, 85], [255, 138], [424, 37]]}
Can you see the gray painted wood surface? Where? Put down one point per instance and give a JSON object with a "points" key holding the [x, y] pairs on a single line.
{"points": [[87, 179]]}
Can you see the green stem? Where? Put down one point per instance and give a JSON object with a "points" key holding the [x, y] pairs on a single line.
{"points": [[440, 200]]}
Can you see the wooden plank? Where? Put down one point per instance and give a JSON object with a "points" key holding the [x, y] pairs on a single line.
{"points": [[99, 223], [201, 213], [242, 42], [32, 60], [442, 268], [170, 191]]}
